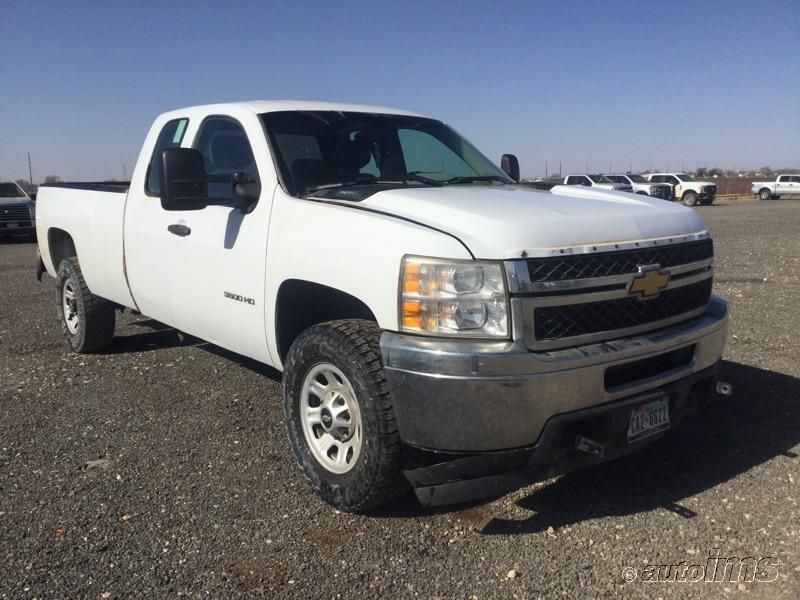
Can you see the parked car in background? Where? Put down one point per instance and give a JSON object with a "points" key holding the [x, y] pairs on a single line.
{"points": [[17, 211], [784, 185], [438, 326], [690, 190], [597, 181], [640, 185]]}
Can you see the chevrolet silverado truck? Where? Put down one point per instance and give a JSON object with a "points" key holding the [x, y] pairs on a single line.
{"points": [[784, 185], [17, 211], [597, 181], [438, 326], [640, 185], [691, 191]]}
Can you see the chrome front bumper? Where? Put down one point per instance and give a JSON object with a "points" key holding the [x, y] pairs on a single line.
{"points": [[481, 396]]}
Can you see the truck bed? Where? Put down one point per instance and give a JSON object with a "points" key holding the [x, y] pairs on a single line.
{"points": [[91, 215]]}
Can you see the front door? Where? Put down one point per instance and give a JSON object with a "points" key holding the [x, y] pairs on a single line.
{"points": [[203, 270]]}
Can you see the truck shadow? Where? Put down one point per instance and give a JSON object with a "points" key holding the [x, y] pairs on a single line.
{"points": [[158, 336], [723, 440], [726, 438]]}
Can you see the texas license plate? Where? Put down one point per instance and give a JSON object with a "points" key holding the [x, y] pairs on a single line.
{"points": [[648, 419]]}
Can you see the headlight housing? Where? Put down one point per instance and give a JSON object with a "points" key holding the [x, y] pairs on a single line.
{"points": [[464, 298]]}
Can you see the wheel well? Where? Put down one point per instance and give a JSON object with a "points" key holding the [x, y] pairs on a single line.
{"points": [[765, 188], [301, 304], [688, 192], [642, 193], [61, 246]]}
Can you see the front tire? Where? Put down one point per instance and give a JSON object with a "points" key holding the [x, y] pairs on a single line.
{"points": [[690, 199], [340, 417], [765, 194], [87, 321]]}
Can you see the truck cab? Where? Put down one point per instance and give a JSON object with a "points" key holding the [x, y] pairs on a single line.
{"points": [[640, 185], [597, 180]]}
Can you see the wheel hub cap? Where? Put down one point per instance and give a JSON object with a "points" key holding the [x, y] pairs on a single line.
{"points": [[330, 418]]}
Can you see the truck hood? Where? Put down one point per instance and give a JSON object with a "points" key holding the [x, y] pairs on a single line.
{"points": [[510, 221]]}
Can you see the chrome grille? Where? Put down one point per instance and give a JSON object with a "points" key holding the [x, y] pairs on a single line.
{"points": [[576, 299], [14, 213]]}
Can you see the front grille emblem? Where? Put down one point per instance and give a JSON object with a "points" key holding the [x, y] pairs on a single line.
{"points": [[648, 282]]}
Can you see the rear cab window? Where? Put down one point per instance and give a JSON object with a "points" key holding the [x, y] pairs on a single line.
{"points": [[171, 136]]}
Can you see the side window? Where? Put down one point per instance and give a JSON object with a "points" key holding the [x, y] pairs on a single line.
{"points": [[796, 179], [586, 181], [657, 179], [171, 136], [226, 150], [671, 180]]}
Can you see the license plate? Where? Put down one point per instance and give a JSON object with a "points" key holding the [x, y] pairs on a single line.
{"points": [[648, 419]]}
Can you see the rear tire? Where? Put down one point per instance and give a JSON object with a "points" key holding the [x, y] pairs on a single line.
{"points": [[765, 194], [87, 321], [690, 199], [334, 375]]}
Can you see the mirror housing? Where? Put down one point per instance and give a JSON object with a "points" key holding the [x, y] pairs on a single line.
{"points": [[184, 184], [510, 166]]}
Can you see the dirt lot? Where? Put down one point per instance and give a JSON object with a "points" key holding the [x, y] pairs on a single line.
{"points": [[161, 468]]}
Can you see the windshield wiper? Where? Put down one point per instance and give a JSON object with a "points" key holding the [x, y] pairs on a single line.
{"points": [[475, 178], [372, 180]]}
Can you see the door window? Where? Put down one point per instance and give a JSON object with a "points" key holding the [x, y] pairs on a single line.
{"points": [[171, 136], [226, 151]]}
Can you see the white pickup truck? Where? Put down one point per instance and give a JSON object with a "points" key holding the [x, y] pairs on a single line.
{"points": [[784, 185], [438, 326]]}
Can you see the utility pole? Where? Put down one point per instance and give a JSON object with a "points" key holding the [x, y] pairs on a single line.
{"points": [[545, 170], [587, 168], [560, 172], [30, 171]]}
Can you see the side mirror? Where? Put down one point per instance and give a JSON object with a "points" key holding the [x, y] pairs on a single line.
{"points": [[246, 188], [510, 166], [184, 184], [32, 196]]}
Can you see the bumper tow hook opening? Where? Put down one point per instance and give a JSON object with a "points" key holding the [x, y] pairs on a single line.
{"points": [[584, 444], [724, 388]]}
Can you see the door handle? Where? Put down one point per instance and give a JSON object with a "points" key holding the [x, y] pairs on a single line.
{"points": [[181, 230]]}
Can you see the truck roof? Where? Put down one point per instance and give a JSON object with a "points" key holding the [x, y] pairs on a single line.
{"points": [[265, 106]]}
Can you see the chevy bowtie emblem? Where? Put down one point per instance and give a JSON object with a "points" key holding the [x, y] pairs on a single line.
{"points": [[648, 282]]}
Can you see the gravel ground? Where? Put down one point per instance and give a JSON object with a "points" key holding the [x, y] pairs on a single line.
{"points": [[161, 468]]}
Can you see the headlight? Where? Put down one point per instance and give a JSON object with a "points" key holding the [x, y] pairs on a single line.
{"points": [[448, 297]]}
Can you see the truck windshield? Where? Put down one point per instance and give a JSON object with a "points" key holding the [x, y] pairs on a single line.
{"points": [[600, 179], [331, 149], [685, 177], [10, 190], [637, 179]]}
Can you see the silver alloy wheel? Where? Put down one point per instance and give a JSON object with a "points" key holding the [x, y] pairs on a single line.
{"points": [[69, 304], [765, 195], [330, 418]]}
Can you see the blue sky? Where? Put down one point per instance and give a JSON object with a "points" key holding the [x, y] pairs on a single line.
{"points": [[609, 83]]}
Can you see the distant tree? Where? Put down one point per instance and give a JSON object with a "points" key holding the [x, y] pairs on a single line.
{"points": [[701, 172], [715, 172], [52, 179], [767, 171]]}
